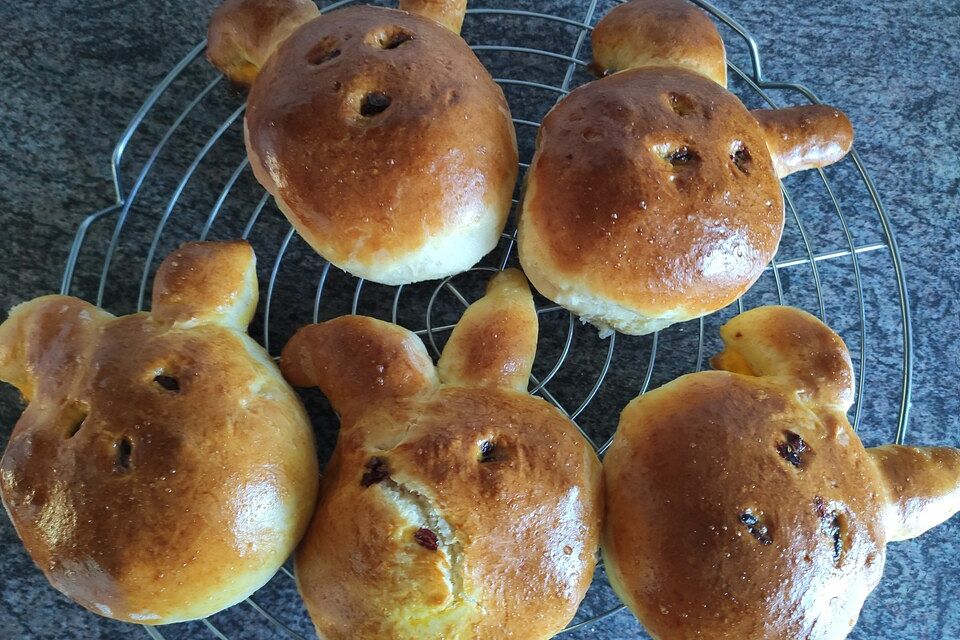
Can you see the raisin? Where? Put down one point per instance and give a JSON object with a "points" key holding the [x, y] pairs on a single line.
{"points": [[791, 449], [124, 448], [376, 471], [486, 451], [755, 527], [682, 155], [831, 524], [167, 382], [374, 103], [426, 539], [837, 534], [741, 157]]}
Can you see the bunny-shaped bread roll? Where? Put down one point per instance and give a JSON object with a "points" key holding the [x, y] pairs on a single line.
{"points": [[455, 505], [380, 134], [162, 470], [653, 196], [741, 504]]}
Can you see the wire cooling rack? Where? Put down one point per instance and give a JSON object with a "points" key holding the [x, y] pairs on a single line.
{"points": [[180, 173]]}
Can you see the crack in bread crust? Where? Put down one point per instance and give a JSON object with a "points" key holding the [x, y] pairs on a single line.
{"points": [[427, 515]]}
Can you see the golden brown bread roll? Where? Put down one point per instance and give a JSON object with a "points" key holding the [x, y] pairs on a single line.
{"points": [[455, 506], [651, 199], [162, 470], [449, 13], [653, 196], [243, 33], [655, 33], [741, 504], [386, 144]]}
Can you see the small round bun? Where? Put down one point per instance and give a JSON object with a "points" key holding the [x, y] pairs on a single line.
{"points": [[386, 144], [651, 199], [242, 34], [651, 33], [741, 504], [456, 505], [163, 470]]}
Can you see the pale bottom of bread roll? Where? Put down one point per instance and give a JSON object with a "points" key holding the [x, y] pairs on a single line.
{"points": [[447, 254], [603, 313]]}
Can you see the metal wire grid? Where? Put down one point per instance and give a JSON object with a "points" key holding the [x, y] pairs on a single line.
{"points": [[574, 65]]}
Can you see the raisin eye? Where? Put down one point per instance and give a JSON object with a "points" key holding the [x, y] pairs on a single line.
{"points": [[756, 527], [375, 472], [374, 103], [426, 539], [837, 534], [167, 382], [124, 448], [792, 448], [682, 155], [741, 157], [487, 449]]}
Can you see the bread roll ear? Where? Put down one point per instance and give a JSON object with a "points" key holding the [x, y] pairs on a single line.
{"points": [[805, 137], [44, 342], [923, 487], [243, 34], [358, 362], [495, 342], [449, 13], [207, 282], [785, 341], [659, 33]]}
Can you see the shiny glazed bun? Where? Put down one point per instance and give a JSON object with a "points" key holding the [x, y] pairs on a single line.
{"points": [[651, 199], [386, 144], [162, 469], [741, 504], [243, 33], [653, 196], [456, 505]]}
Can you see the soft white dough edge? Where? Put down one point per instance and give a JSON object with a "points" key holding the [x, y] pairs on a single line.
{"points": [[440, 256], [607, 316]]}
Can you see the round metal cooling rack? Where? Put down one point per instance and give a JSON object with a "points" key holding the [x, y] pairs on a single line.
{"points": [[180, 173]]}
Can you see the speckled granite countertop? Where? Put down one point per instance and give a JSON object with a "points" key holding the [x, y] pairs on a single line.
{"points": [[73, 74]]}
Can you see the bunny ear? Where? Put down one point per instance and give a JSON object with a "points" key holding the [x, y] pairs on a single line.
{"points": [[357, 362], [44, 342], [243, 33], [207, 282], [784, 341], [663, 33], [496, 339], [805, 137], [923, 487], [449, 13]]}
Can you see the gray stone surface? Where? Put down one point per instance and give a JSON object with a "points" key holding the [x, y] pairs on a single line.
{"points": [[74, 73]]}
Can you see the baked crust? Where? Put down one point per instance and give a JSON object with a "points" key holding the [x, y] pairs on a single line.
{"points": [[740, 503], [456, 506], [162, 470]]}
